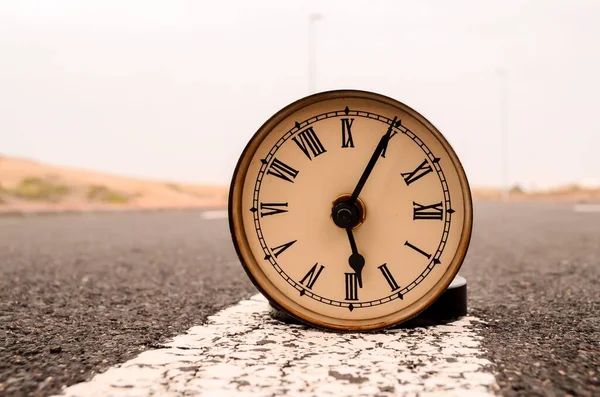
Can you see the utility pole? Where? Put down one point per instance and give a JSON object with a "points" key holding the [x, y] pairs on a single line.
{"points": [[312, 72], [503, 74]]}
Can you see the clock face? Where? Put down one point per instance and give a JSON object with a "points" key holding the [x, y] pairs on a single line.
{"points": [[350, 211]]}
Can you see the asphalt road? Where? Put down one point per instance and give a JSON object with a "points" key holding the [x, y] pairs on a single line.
{"points": [[80, 293]]}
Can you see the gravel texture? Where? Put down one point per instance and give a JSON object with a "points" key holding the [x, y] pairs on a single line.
{"points": [[80, 293], [533, 272]]}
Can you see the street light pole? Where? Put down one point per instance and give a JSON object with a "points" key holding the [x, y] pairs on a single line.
{"points": [[504, 129], [312, 72]]}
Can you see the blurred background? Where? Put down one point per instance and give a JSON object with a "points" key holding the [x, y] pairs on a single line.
{"points": [[173, 90]]}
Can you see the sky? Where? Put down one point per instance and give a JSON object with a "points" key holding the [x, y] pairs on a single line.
{"points": [[174, 89]]}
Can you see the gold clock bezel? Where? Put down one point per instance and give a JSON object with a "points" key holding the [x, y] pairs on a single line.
{"points": [[280, 300]]}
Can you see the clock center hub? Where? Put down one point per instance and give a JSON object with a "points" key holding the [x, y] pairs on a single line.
{"points": [[348, 214]]}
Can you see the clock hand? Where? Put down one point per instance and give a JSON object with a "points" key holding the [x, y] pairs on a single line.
{"points": [[376, 154], [346, 214], [356, 260]]}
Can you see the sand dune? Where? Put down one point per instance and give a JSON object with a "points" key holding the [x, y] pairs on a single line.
{"points": [[570, 193], [27, 185]]}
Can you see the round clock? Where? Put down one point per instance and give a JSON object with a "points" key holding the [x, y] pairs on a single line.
{"points": [[350, 211]]}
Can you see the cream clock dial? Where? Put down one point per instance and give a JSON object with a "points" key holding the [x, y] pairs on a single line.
{"points": [[350, 211]]}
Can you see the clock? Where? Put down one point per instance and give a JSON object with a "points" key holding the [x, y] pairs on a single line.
{"points": [[350, 211]]}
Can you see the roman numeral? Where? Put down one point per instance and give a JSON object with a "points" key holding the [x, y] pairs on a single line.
{"points": [[388, 277], [309, 143], [347, 133], [420, 251], [280, 248], [282, 170], [272, 208], [311, 277], [386, 144], [433, 211], [351, 287], [421, 171]]}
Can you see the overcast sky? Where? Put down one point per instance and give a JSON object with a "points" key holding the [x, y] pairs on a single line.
{"points": [[174, 89]]}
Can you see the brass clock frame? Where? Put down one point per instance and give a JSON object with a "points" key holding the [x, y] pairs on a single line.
{"points": [[277, 298]]}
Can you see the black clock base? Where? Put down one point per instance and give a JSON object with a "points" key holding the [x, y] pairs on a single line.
{"points": [[451, 305]]}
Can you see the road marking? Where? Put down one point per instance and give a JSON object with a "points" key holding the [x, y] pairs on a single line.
{"points": [[220, 214], [242, 351], [586, 208]]}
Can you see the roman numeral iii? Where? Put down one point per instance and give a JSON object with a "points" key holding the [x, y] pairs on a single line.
{"points": [[433, 211], [282, 170], [311, 277], [347, 140], [309, 143]]}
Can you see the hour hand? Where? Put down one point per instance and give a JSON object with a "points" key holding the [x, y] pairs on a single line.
{"points": [[356, 260]]}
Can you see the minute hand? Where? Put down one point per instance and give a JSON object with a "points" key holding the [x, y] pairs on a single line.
{"points": [[376, 154]]}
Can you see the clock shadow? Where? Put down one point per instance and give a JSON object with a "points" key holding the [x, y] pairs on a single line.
{"points": [[449, 307]]}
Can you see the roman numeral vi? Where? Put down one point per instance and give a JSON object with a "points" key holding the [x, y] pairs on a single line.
{"points": [[351, 287]]}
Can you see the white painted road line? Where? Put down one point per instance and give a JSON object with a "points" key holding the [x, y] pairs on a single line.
{"points": [[241, 351], [220, 214], [586, 208]]}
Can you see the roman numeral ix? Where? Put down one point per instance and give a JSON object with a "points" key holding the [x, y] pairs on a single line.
{"points": [[433, 211], [347, 133], [309, 143]]}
